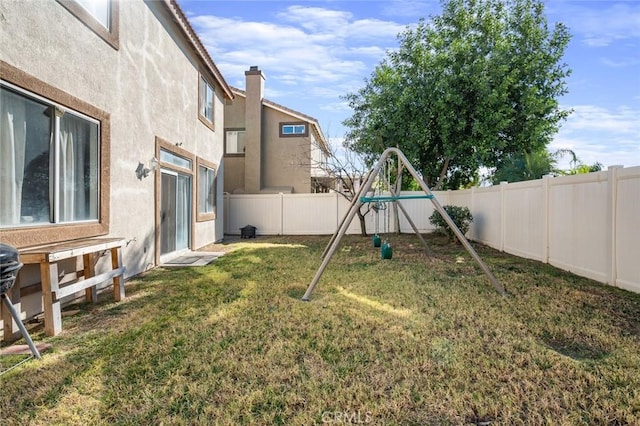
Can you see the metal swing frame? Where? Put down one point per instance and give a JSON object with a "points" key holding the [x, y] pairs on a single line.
{"points": [[359, 199]]}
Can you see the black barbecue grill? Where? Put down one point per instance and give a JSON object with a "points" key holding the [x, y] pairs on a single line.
{"points": [[248, 231], [9, 267]]}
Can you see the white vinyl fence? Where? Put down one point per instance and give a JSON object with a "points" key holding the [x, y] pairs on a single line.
{"points": [[587, 224]]}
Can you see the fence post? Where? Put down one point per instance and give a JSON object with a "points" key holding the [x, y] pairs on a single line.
{"points": [[546, 206], [503, 226], [612, 178], [337, 210], [281, 197], [226, 209], [473, 233]]}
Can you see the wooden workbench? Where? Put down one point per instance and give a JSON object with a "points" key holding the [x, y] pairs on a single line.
{"points": [[53, 291]]}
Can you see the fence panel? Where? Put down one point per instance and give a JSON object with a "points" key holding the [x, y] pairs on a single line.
{"points": [[524, 219], [308, 214], [487, 216], [579, 226], [626, 256], [264, 211]]}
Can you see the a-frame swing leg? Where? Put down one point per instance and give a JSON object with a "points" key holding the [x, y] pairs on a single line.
{"points": [[494, 281], [346, 222], [415, 229], [355, 199]]}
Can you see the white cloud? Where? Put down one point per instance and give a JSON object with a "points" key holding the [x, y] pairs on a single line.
{"points": [[621, 63], [597, 134], [411, 9], [599, 26], [316, 48]]}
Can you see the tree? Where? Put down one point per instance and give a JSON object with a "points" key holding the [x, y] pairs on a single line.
{"points": [[344, 170], [465, 89], [533, 165]]}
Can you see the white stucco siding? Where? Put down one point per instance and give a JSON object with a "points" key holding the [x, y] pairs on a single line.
{"points": [[149, 86]]}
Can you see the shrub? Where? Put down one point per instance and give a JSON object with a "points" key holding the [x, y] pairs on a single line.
{"points": [[461, 216]]}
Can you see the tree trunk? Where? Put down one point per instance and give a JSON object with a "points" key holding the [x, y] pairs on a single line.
{"points": [[363, 224]]}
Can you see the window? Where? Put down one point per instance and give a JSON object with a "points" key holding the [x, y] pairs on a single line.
{"points": [[101, 16], [175, 159], [293, 129], [99, 9], [235, 141], [49, 161], [206, 102], [207, 193]]}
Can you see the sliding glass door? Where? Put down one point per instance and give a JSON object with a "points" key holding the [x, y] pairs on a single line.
{"points": [[175, 212]]}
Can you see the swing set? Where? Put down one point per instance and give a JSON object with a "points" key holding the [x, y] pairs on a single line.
{"points": [[383, 186], [382, 173]]}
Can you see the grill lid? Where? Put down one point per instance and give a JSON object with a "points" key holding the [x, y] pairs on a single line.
{"points": [[9, 260], [8, 255]]}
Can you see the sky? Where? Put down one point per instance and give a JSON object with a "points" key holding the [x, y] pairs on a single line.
{"points": [[312, 53]]}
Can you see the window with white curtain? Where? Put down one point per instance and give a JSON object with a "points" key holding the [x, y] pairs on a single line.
{"points": [[49, 162], [235, 141], [206, 101]]}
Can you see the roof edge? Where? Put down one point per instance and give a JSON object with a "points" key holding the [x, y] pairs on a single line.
{"points": [[183, 22], [266, 102]]}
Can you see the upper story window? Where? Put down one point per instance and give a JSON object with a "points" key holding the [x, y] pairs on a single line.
{"points": [[101, 16], [293, 129], [235, 141], [206, 102], [50, 162], [99, 9]]}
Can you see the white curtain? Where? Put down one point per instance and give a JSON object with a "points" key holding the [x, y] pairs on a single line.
{"points": [[74, 138], [67, 173], [13, 133]]}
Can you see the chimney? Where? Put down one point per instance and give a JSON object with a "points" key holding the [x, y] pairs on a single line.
{"points": [[254, 88]]}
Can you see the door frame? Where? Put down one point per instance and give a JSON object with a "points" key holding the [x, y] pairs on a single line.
{"points": [[162, 144]]}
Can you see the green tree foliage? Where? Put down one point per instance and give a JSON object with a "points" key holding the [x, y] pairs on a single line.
{"points": [[465, 89], [533, 165]]}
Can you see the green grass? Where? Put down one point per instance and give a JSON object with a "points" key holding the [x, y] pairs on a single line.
{"points": [[406, 341]]}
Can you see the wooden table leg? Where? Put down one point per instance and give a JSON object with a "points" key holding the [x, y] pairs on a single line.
{"points": [[50, 302], [118, 281], [91, 293]]}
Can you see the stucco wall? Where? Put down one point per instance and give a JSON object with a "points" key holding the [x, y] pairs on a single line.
{"points": [[234, 175], [234, 118], [286, 160], [149, 87]]}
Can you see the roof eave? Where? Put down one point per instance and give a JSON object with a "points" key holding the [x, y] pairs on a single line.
{"points": [[185, 26]]}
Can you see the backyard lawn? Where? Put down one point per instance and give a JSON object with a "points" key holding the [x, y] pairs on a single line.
{"points": [[405, 341]]}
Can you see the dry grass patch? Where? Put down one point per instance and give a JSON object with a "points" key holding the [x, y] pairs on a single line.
{"points": [[402, 341]]}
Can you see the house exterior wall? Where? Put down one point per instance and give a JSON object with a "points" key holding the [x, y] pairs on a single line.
{"points": [[148, 87], [286, 160], [271, 162]]}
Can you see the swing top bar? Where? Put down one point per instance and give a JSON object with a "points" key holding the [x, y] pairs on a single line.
{"points": [[393, 198]]}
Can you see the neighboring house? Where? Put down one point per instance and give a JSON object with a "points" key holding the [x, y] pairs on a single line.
{"points": [[94, 95], [270, 148]]}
